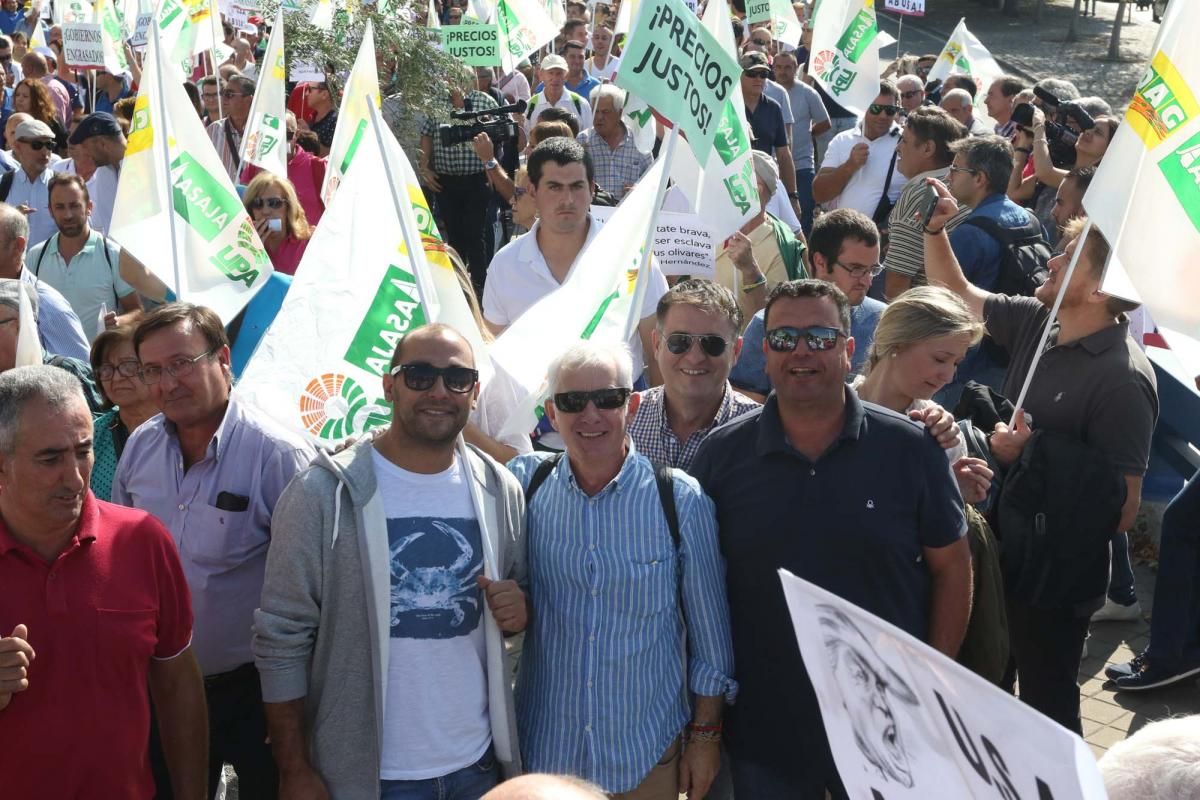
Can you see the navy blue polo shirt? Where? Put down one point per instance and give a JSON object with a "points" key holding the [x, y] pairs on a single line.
{"points": [[853, 522], [766, 121]]}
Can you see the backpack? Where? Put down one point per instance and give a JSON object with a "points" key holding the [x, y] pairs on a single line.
{"points": [[1023, 254], [576, 100], [6, 184]]}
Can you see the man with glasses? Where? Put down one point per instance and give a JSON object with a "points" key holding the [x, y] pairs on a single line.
{"points": [[768, 122], [32, 148], [843, 250], [631, 639], [212, 469], [210, 102], [408, 683], [811, 121], [615, 157], [859, 170], [912, 93], [842, 493], [226, 133], [696, 341], [320, 100]]}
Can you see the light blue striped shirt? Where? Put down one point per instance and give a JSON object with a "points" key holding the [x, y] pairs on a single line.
{"points": [[59, 328], [601, 691]]}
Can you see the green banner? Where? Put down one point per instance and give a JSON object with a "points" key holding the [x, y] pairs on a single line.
{"points": [[206, 205], [858, 35], [1182, 171], [758, 11], [473, 44], [395, 311], [680, 69]]}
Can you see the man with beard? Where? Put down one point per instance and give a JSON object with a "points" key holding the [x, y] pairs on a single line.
{"points": [[373, 621], [80, 262]]}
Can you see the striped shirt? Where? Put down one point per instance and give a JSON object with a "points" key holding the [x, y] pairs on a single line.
{"points": [[601, 692], [906, 237], [618, 167], [651, 430]]}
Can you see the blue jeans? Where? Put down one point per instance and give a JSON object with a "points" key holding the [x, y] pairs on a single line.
{"points": [[804, 180], [1120, 582], [468, 783], [1175, 624]]}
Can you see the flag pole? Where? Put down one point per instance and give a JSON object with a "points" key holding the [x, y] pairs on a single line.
{"points": [[212, 57], [1062, 290], [643, 279], [899, 34], [160, 134]]}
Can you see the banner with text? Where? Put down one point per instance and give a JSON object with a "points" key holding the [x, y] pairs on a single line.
{"points": [[912, 8], [965, 53], [845, 52], [683, 243], [473, 43], [83, 45], [785, 25]]}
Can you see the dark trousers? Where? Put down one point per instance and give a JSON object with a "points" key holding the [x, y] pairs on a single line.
{"points": [[1175, 624], [807, 780], [463, 205], [1046, 645], [804, 182], [237, 734]]}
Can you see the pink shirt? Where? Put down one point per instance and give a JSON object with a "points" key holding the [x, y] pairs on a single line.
{"points": [[62, 100], [287, 256]]}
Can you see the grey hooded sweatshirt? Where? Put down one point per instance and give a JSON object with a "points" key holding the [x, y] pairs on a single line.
{"points": [[322, 631]]}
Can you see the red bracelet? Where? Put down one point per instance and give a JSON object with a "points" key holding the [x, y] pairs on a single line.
{"points": [[706, 728]]}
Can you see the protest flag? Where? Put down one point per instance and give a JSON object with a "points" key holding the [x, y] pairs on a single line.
{"points": [[175, 209], [524, 26], [905, 722], [1145, 197], [785, 25], [479, 10], [70, 11], [111, 37], [322, 15], [431, 18], [265, 141], [368, 276], [845, 53], [964, 53], [362, 89]]}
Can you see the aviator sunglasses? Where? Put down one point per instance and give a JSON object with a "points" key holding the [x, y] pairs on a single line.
{"points": [[710, 343]]}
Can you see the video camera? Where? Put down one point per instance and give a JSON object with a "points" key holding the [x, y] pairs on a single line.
{"points": [[1060, 114], [492, 121]]}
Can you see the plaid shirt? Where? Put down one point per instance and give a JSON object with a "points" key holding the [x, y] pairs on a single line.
{"points": [[459, 159], [652, 434], [615, 168]]}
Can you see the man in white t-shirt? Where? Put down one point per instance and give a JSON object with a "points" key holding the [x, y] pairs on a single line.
{"points": [[554, 92], [380, 638], [858, 161]]}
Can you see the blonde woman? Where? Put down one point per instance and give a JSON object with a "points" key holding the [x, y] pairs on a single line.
{"points": [[279, 219]]}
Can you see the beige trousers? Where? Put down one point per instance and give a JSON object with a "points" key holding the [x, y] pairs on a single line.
{"points": [[663, 781]]}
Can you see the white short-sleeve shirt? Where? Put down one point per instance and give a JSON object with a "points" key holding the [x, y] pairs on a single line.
{"points": [[864, 189]]}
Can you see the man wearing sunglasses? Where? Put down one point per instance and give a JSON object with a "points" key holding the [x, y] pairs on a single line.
{"points": [[212, 469], [32, 148], [617, 587], [844, 494], [859, 169], [408, 682], [912, 93]]}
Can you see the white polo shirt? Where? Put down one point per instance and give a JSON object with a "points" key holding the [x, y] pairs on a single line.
{"points": [[579, 108], [864, 189], [90, 281]]}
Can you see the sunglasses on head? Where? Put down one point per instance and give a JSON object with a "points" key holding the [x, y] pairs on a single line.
{"points": [[272, 203], [39, 144], [876, 108], [710, 343], [602, 399], [818, 337], [420, 377]]}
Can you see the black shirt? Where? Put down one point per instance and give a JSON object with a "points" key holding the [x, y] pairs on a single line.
{"points": [[766, 122], [325, 127]]}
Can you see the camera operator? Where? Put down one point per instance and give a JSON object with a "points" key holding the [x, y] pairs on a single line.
{"points": [[452, 171]]}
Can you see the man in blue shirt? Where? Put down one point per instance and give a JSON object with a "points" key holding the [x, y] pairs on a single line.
{"points": [[629, 611], [767, 123], [15, 18]]}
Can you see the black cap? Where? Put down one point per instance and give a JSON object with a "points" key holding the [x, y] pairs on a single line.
{"points": [[99, 124]]}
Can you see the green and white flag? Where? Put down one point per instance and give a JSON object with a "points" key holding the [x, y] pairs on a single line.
{"points": [[322, 15], [676, 65], [845, 52], [112, 37], [431, 18], [216, 258], [479, 10], [70, 11], [320, 365], [724, 193], [785, 25], [354, 118], [524, 27], [265, 142], [965, 54]]}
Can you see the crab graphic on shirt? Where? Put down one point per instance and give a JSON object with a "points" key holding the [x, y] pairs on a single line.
{"points": [[434, 563]]}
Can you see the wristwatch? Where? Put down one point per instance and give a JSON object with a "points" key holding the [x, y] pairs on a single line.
{"points": [[491, 164], [794, 195]]}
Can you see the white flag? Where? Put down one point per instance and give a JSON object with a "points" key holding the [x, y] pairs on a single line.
{"points": [[785, 25], [964, 53], [320, 365], [353, 114], [845, 53], [111, 37], [220, 261], [1145, 197], [322, 15], [595, 302], [431, 17], [265, 140], [524, 26]]}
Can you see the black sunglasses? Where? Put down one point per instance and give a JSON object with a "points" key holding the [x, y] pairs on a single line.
{"points": [[269, 202], [876, 108], [710, 343], [420, 377], [817, 337], [603, 399], [40, 144]]}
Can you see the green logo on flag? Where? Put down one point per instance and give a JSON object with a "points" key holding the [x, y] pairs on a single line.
{"points": [[1182, 171], [167, 13], [730, 141], [515, 35], [206, 205], [858, 36], [395, 311], [354, 143], [741, 189]]}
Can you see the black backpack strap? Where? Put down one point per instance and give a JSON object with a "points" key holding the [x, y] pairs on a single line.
{"points": [[37, 265], [6, 184], [1005, 235], [666, 495], [539, 476]]}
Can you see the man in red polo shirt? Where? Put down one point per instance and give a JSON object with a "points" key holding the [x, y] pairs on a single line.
{"points": [[97, 606]]}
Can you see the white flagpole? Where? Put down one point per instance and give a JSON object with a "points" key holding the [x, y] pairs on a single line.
{"points": [[159, 121], [899, 33], [1062, 290], [212, 57], [643, 276]]}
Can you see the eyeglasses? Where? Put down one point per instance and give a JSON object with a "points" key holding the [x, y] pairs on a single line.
{"points": [[910, 94], [5, 57], [968, 170], [602, 399], [817, 337], [38, 144], [876, 108], [209, 95], [273, 203], [420, 377], [861, 270], [519, 192], [710, 343], [126, 369], [229, 95], [179, 368]]}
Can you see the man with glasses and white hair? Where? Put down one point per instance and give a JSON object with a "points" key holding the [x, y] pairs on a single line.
{"points": [[912, 93], [379, 586], [628, 596], [212, 469], [845, 494], [617, 162]]}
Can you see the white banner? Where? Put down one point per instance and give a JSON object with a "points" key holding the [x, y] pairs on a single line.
{"points": [[845, 53], [140, 29], [683, 243], [964, 53], [915, 8], [905, 721], [524, 27], [83, 45]]}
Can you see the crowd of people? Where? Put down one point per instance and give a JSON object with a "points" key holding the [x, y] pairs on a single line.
{"points": [[441, 607]]}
